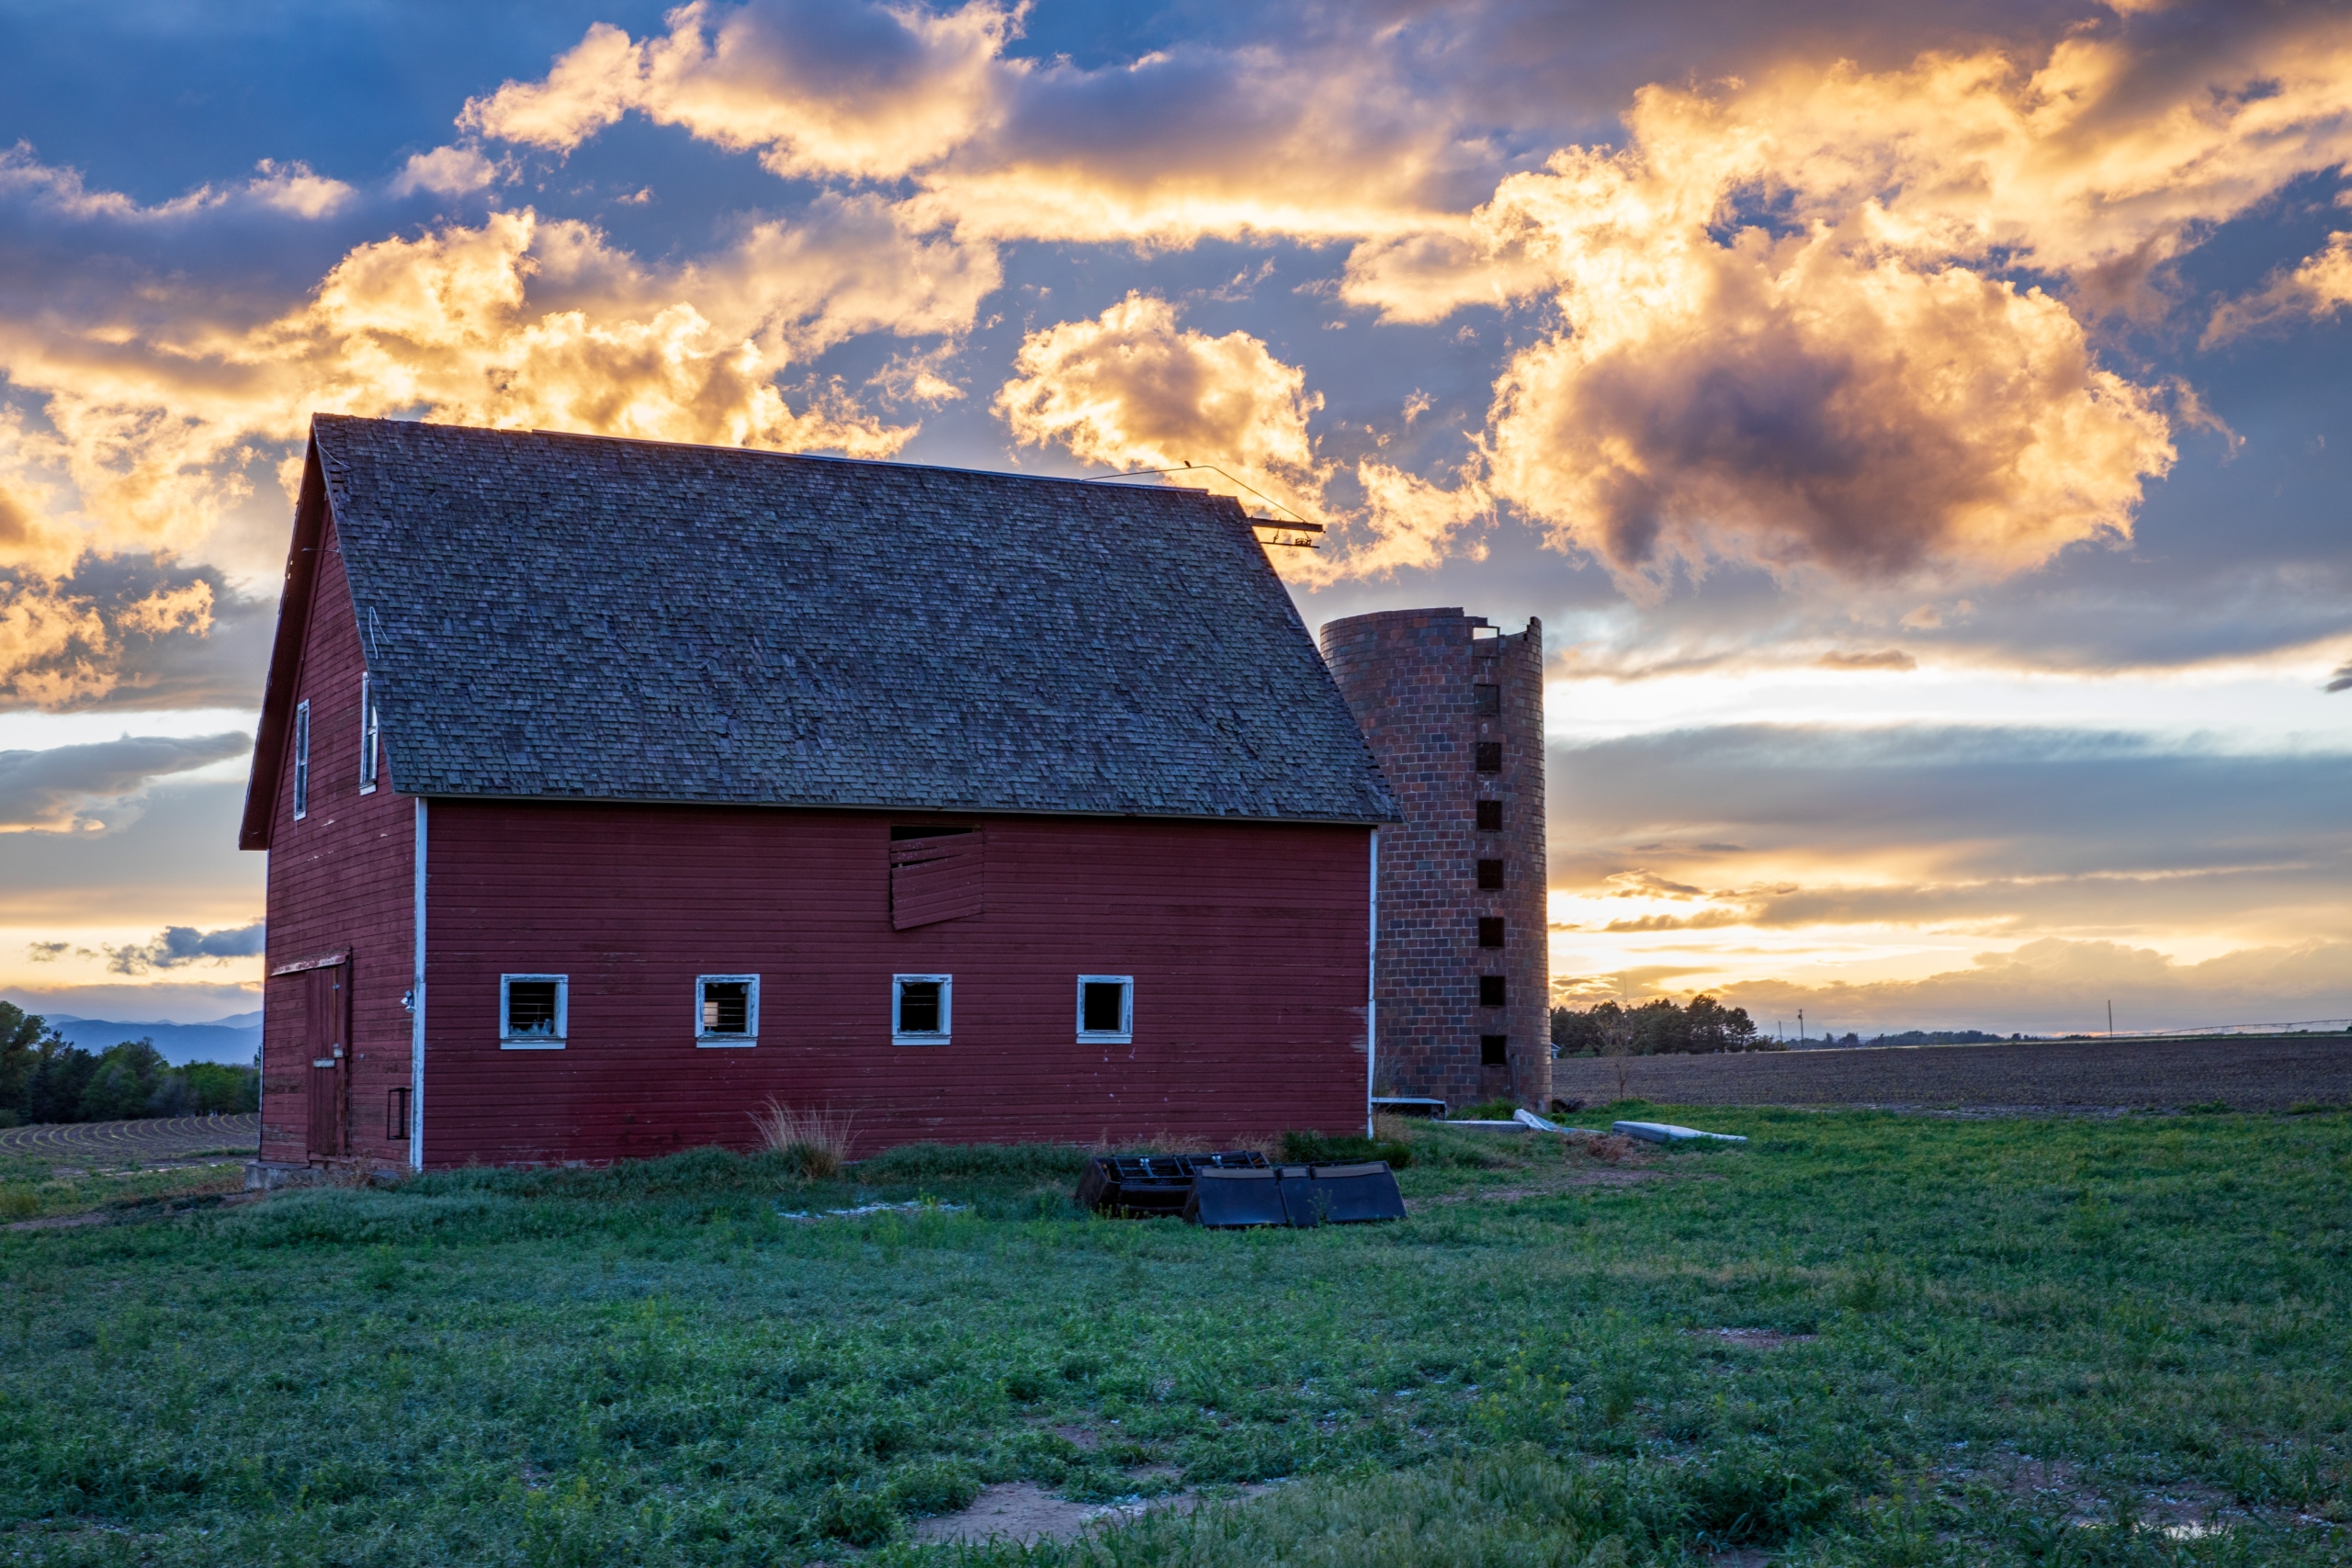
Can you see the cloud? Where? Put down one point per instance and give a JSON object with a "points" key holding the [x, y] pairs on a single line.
{"points": [[150, 430], [175, 947], [1130, 390], [2056, 985], [291, 187], [63, 788], [1882, 659], [151, 632], [2342, 680], [445, 170], [1914, 834], [2316, 289], [1322, 128], [1789, 332], [863, 92]]}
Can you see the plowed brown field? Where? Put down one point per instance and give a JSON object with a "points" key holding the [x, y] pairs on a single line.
{"points": [[2079, 1077], [111, 1143]]}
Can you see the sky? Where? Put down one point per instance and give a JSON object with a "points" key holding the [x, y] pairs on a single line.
{"points": [[1922, 433]]}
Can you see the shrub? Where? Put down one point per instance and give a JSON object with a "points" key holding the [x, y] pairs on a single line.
{"points": [[815, 1142]]}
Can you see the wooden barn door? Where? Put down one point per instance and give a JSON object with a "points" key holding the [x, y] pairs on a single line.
{"points": [[327, 1014]]}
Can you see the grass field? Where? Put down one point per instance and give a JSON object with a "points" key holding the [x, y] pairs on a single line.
{"points": [[2073, 1341]]}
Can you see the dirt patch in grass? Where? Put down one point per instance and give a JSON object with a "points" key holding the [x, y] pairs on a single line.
{"points": [[1025, 1512]]}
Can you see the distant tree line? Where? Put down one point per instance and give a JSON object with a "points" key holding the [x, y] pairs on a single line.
{"points": [[42, 1078], [1943, 1037], [1656, 1029]]}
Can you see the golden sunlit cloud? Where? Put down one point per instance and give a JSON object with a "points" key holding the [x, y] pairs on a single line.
{"points": [[1131, 390], [2320, 288], [900, 90]]}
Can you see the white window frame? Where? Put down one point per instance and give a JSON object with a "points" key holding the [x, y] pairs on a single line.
{"points": [[301, 759], [714, 1039], [1123, 1035], [536, 1041], [369, 735], [946, 1014]]}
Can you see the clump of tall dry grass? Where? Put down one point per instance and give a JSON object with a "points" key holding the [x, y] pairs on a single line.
{"points": [[815, 1142]]}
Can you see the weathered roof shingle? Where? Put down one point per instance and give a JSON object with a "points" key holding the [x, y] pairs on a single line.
{"points": [[580, 618]]}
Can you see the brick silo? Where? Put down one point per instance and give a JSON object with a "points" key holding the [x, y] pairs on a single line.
{"points": [[1455, 713]]}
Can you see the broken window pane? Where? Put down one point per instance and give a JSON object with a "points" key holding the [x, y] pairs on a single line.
{"points": [[531, 1006], [918, 1007], [726, 1007]]}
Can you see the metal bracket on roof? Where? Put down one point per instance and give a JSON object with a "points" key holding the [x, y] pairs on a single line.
{"points": [[1261, 517]]}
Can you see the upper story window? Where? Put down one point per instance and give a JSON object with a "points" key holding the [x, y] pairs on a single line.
{"points": [[1106, 1010], [1490, 930], [1487, 701], [531, 1012], [1491, 991], [727, 1009], [301, 759], [920, 1008], [1491, 817], [1490, 756], [1491, 874], [369, 737]]}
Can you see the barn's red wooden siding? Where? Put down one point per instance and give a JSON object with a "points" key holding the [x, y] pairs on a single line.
{"points": [[1247, 942], [340, 880]]}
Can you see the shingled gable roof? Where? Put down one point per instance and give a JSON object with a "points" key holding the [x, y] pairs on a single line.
{"points": [[577, 617]]}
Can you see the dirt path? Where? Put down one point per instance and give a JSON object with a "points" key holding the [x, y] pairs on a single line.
{"points": [[161, 1140], [2076, 1076]]}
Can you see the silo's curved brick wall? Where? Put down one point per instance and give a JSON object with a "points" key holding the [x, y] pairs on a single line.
{"points": [[1412, 678]]}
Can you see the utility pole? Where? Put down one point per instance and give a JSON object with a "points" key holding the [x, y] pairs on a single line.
{"points": [[1800, 1026], [2110, 1019]]}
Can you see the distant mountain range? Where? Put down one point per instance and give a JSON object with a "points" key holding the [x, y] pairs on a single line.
{"points": [[233, 1040]]}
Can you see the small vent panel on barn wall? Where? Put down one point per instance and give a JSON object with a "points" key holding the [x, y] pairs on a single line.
{"points": [[936, 873]]}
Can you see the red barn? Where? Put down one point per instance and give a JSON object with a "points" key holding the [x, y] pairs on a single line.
{"points": [[611, 788]]}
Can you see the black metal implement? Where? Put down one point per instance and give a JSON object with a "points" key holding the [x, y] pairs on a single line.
{"points": [[1299, 1196], [1230, 1200], [1143, 1185]]}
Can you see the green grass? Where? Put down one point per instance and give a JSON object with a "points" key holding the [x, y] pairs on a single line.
{"points": [[649, 1365]]}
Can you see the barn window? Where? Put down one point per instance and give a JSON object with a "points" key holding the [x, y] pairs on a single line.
{"points": [[1491, 817], [1490, 756], [302, 760], [1490, 990], [1491, 874], [1490, 930], [1487, 701], [396, 1115], [369, 735], [1494, 1050], [727, 1009], [531, 1010], [1106, 1010], [920, 1008]]}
